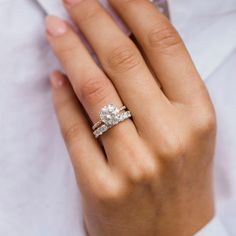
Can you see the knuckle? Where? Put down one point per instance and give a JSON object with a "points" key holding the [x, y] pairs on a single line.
{"points": [[206, 124], [163, 37], [172, 148], [94, 90], [144, 173], [108, 193], [71, 134], [123, 59]]}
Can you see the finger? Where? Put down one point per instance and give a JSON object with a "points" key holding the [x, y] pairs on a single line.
{"points": [[120, 59], [90, 84], [164, 49], [85, 152], [87, 157]]}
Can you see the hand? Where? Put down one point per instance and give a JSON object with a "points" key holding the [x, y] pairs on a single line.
{"points": [[151, 175]]}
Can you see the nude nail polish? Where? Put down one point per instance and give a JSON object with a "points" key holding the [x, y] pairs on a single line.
{"points": [[55, 26], [57, 81]]}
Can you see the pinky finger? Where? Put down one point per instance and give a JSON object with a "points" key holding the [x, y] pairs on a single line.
{"points": [[87, 157]]}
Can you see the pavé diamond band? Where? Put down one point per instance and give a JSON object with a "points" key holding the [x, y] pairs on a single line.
{"points": [[110, 116]]}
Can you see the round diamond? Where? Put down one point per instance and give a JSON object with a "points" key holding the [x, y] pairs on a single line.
{"points": [[109, 114]]}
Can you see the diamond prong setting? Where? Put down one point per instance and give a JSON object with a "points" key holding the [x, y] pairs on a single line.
{"points": [[110, 116]]}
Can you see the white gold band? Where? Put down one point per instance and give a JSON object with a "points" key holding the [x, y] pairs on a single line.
{"points": [[122, 116]]}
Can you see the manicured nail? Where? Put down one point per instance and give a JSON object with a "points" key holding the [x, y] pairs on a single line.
{"points": [[72, 2], [57, 80], [55, 26]]}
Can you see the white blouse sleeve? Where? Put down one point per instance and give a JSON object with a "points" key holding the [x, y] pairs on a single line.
{"points": [[215, 227]]}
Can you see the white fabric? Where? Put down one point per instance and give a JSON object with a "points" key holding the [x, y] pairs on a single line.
{"points": [[38, 192], [215, 227]]}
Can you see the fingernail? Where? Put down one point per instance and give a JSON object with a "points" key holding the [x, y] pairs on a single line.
{"points": [[57, 80], [72, 2], [55, 26]]}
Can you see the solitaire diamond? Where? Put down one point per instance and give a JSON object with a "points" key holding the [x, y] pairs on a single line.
{"points": [[109, 115]]}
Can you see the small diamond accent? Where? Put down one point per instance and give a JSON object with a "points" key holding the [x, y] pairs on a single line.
{"points": [[120, 117]]}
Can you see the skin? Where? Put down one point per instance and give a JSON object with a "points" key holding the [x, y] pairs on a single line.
{"points": [[151, 175]]}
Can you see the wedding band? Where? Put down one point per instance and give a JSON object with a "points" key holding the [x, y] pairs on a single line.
{"points": [[110, 116]]}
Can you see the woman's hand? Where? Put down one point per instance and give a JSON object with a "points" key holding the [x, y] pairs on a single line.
{"points": [[152, 175]]}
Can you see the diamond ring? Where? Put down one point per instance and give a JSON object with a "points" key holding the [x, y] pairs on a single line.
{"points": [[112, 109], [110, 116]]}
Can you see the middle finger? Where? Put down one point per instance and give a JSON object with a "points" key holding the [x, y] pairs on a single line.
{"points": [[121, 60]]}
